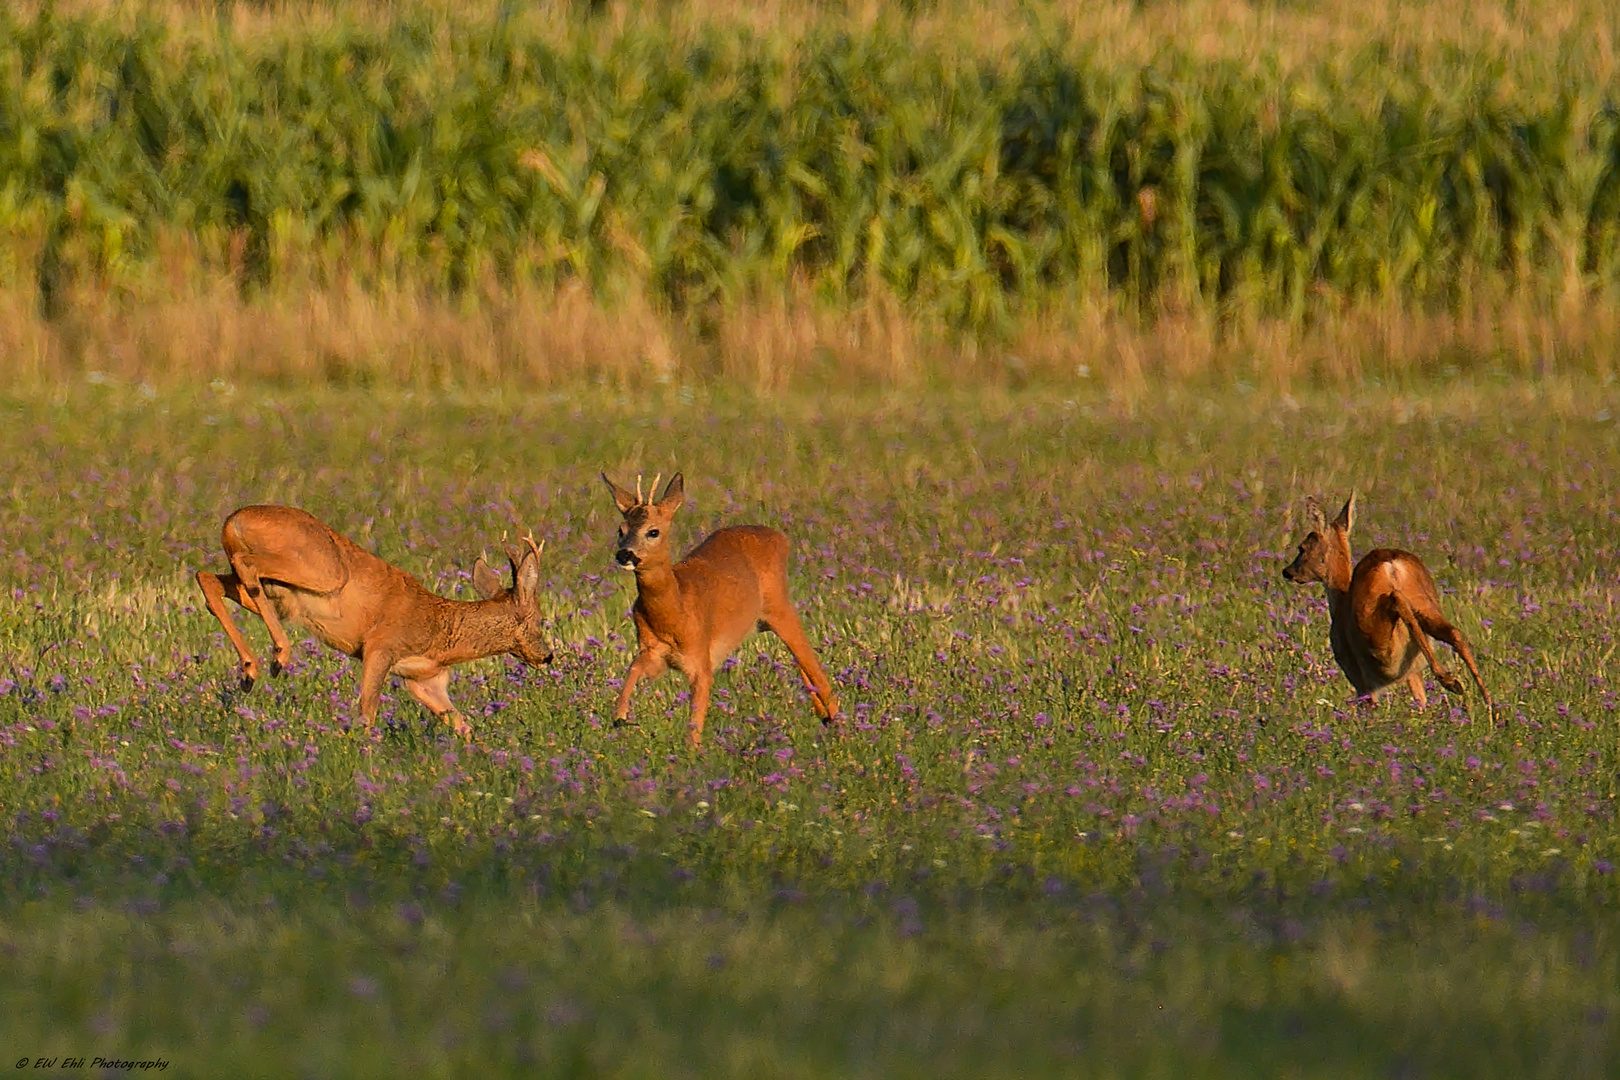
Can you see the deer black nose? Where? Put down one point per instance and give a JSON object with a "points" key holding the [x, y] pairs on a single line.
{"points": [[625, 557]]}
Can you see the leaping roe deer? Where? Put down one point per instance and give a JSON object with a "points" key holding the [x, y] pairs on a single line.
{"points": [[288, 566], [693, 614], [1382, 613]]}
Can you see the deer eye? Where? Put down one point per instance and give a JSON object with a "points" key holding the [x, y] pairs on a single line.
{"points": [[652, 534]]}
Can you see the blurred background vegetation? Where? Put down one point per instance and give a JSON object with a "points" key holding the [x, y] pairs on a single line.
{"points": [[769, 192]]}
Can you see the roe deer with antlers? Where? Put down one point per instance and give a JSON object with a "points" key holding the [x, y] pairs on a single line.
{"points": [[693, 614], [288, 566], [1382, 613]]}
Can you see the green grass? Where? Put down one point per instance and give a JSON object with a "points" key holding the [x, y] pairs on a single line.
{"points": [[702, 162], [1100, 806]]}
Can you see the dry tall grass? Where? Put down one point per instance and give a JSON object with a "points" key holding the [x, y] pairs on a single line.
{"points": [[551, 338]]}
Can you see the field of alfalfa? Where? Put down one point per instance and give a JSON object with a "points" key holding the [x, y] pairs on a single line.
{"points": [[1101, 804]]}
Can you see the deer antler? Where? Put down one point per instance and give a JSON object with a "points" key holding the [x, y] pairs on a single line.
{"points": [[528, 538], [652, 493], [639, 499]]}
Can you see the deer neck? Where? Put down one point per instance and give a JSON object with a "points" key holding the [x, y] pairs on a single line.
{"points": [[1337, 579], [659, 593], [479, 628]]}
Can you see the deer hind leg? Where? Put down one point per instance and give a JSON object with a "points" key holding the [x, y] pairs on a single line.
{"points": [[1414, 682], [309, 571], [249, 573], [646, 665], [1420, 634], [434, 695], [781, 620], [217, 588], [1449, 634]]}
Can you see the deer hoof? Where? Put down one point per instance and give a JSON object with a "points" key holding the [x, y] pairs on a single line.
{"points": [[1450, 682], [249, 676], [460, 727]]}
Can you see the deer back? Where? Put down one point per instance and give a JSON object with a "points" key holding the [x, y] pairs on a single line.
{"points": [[506, 619]]}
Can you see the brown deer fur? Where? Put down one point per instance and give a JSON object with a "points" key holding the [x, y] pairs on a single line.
{"points": [[693, 614], [360, 605], [1382, 613]]}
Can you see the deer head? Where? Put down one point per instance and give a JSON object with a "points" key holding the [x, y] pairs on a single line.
{"points": [[529, 644], [644, 532], [1322, 543]]}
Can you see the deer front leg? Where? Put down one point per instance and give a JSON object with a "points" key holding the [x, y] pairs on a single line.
{"points": [[373, 676], [646, 665], [433, 693], [217, 588], [702, 684]]}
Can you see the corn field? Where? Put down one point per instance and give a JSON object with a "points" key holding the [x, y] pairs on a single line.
{"points": [[468, 157]]}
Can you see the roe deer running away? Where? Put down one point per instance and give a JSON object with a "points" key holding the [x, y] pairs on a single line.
{"points": [[1382, 613], [289, 566], [693, 614]]}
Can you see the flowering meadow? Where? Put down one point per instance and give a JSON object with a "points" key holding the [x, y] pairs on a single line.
{"points": [[1100, 804]]}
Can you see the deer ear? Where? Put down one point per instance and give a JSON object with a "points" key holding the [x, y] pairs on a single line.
{"points": [[674, 494], [623, 499], [486, 582], [526, 578], [1347, 516], [1313, 513]]}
